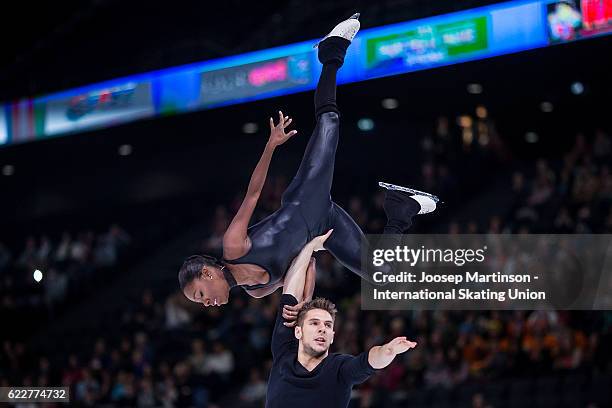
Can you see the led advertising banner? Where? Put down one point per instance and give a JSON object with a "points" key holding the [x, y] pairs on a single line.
{"points": [[24, 121], [427, 44], [453, 38], [101, 107], [3, 126], [570, 20], [256, 79], [376, 52], [176, 92]]}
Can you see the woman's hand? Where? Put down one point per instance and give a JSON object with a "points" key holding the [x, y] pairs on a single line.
{"points": [[277, 132], [317, 242]]}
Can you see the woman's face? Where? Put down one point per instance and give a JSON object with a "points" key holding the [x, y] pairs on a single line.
{"points": [[210, 288]]}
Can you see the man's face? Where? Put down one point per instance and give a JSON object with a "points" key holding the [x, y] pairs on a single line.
{"points": [[316, 334]]}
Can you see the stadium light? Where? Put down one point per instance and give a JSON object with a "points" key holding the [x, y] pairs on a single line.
{"points": [[365, 124], [474, 88], [8, 170], [481, 112], [390, 103], [577, 88], [125, 150], [546, 107], [250, 128], [531, 137]]}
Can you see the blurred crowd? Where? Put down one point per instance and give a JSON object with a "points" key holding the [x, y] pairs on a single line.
{"points": [[166, 351], [170, 353], [45, 271], [571, 195]]}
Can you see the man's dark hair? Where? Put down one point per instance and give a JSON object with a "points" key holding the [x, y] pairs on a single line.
{"points": [[318, 303], [192, 268]]}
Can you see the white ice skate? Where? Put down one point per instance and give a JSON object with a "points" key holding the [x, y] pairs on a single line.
{"points": [[427, 201], [346, 29]]}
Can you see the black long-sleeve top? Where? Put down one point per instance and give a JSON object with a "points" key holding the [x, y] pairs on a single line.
{"points": [[329, 384]]}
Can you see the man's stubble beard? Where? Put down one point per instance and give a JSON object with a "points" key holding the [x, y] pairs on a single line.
{"points": [[314, 353]]}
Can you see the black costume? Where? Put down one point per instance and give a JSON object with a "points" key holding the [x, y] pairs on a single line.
{"points": [[328, 385], [307, 209]]}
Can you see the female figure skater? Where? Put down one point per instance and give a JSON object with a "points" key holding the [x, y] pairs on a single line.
{"points": [[257, 258]]}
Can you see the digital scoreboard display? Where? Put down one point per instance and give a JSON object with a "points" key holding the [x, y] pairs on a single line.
{"points": [[570, 20]]}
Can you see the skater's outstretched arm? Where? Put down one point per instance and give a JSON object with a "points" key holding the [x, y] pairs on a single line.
{"points": [[235, 241], [354, 370], [381, 356]]}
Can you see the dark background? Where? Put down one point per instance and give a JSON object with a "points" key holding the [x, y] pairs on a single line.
{"points": [[183, 167]]}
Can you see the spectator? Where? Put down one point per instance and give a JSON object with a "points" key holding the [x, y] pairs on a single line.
{"points": [[197, 359], [253, 393], [63, 249], [220, 361], [27, 258], [5, 257], [175, 315]]}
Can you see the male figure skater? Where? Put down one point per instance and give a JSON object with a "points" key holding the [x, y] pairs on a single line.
{"points": [[304, 373]]}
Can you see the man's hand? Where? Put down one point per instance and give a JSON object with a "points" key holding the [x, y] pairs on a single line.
{"points": [[277, 132], [397, 346], [382, 356], [290, 314]]}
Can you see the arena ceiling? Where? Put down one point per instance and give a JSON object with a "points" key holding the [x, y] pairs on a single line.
{"points": [[76, 42], [57, 45]]}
